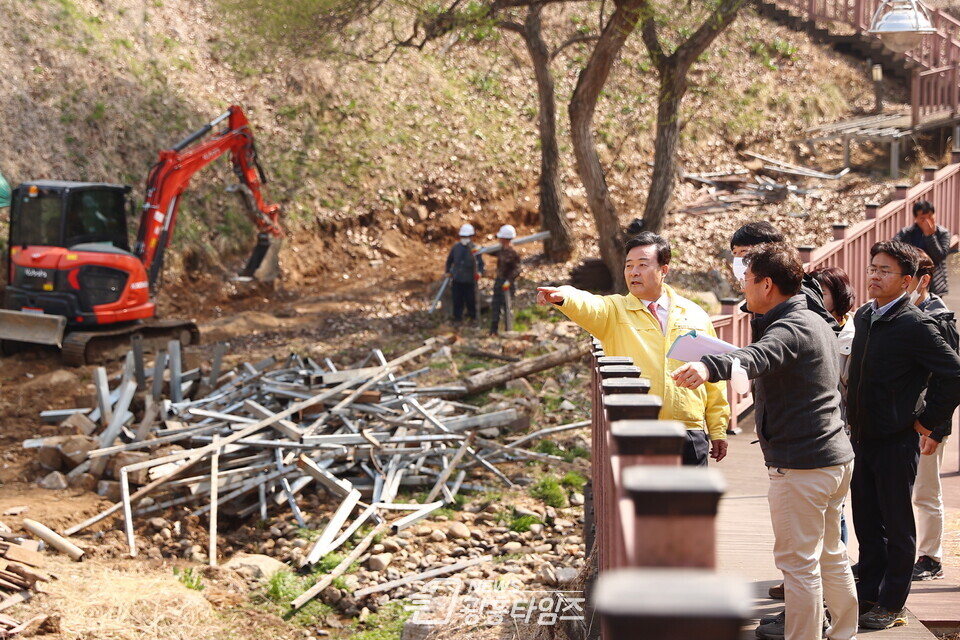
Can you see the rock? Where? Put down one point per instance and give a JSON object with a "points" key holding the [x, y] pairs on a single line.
{"points": [[523, 511], [438, 536], [566, 575], [562, 523], [566, 405], [577, 499], [511, 547], [522, 385], [78, 423], [333, 621], [157, 524], [458, 530], [423, 531], [547, 574], [256, 566], [379, 562], [331, 595], [550, 387], [75, 449], [154, 553], [54, 480], [364, 614], [83, 481], [390, 545], [536, 529]]}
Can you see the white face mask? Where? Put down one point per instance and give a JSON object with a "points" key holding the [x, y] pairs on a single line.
{"points": [[464, 241], [914, 296], [739, 269]]}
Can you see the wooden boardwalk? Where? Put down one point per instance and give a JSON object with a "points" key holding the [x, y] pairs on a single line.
{"points": [[745, 542]]}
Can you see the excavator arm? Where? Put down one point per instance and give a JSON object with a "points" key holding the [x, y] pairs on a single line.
{"points": [[171, 175]]}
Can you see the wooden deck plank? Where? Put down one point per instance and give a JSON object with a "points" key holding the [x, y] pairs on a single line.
{"points": [[745, 542]]}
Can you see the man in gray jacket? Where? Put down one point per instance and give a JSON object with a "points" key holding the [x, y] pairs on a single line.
{"points": [[809, 459]]}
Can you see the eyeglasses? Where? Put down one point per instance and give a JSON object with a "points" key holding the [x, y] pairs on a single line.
{"points": [[871, 270]]}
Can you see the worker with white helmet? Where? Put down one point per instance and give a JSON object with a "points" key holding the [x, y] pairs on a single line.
{"points": [[508, 270], [464, 268]]}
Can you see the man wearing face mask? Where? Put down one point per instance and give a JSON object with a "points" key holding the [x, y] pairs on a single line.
{"points": [[757, 233], [927, 491], [897, 352], [464, 268]]}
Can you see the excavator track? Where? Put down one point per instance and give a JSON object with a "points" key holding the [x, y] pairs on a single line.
{"points": [[93, 347]]}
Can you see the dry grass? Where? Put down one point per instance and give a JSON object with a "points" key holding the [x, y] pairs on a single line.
{"points": [[128, 601]]}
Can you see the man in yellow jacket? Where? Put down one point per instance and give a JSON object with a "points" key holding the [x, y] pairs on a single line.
{"points": [[642, 325]]}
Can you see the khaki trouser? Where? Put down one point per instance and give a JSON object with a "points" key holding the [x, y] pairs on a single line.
{"points": [[805, 507], [928, 501]]}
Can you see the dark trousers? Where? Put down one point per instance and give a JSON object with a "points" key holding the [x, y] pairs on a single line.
{"points": [[498, 303], [696, 450], [882, 489], [464, 293]]}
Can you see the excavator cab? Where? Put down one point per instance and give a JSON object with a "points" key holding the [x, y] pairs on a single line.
{"points": [[53, 213]]}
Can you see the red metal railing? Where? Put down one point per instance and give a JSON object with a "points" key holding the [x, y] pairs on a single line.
{"points": [[933, 87], [651, 523]]}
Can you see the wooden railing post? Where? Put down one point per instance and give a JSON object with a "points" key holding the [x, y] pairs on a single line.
{"points": [[675, 510], [632, 406], [625, 385], [900, 191], [656, 604], [871, 210], [840, 230], [806, 252], [955, 155], [929, 173], [914, 98], [653, 442]]}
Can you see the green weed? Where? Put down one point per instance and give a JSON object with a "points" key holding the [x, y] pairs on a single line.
{"points": [[573, 480], [550, 492], [189, 578], [522, 523]]}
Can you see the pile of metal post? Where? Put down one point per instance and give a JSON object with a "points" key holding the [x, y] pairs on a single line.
{"points": [[248, 441]]}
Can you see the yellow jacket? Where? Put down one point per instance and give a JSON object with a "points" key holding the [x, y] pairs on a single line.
{"points": [[627, 328]]}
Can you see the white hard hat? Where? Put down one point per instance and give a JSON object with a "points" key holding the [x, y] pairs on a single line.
{"points": [[466, 230], [507, 232]]}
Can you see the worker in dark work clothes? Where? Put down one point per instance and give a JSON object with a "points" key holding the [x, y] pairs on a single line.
{"points": [[464, 268], [508, 270]]}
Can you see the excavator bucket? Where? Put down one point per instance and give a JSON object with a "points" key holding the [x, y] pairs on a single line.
{"points": [[35, 328], [264, 262]]}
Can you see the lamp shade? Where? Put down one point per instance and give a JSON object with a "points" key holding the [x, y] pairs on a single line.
{"points": [[902, 26]]}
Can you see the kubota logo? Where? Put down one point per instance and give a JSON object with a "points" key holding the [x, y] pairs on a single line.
{"points": [[35, 273], [139, 285]]}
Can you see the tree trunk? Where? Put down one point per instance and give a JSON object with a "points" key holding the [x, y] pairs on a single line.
{"points": [[559, 246], [673, 70], [672, 89], [582, 106]]}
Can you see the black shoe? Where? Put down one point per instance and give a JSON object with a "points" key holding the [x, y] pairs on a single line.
{"points": [[881, 618], [776, 591], [927, 569], [855, 568]]}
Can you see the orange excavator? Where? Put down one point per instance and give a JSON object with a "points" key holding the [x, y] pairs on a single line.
{"points": [[73, 280]]}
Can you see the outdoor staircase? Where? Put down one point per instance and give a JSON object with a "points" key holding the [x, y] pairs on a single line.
{"points": [[931, 71], [860, 45]]}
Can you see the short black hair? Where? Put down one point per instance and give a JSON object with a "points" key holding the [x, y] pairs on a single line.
{"points": [[647, 238], [778, 261], [754, 233], [925, 264], [905, 255], [922, 206], [837, 282]]}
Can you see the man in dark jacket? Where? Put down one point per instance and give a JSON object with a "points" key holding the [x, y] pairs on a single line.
{"points": [[795, 367], [464, 268], [508, 270], [896, 350], [927, 235]]}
